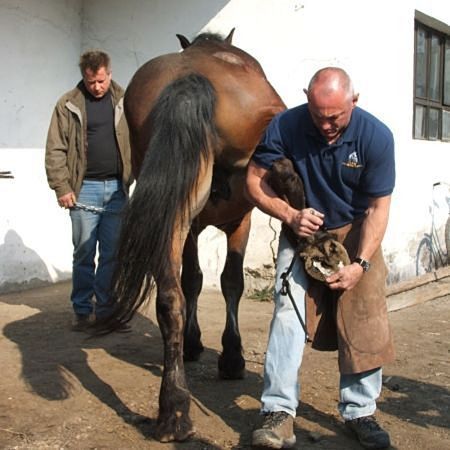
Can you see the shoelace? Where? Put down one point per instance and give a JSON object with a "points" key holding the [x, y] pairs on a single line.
{"points": [[370, 423], [274, 419]]}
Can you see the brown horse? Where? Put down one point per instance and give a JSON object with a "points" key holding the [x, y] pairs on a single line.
{"points": [[195, 118]]}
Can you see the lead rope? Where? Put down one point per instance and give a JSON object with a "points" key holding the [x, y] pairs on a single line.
{"points": [[286, 290]]}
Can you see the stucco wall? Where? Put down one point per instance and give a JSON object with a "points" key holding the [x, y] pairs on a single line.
{"points": [[41, 43], [291, 39]]}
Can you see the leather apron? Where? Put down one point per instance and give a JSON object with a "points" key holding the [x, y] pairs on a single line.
{"points": [[354, 322]]}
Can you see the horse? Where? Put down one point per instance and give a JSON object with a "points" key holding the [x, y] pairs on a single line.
{"points": [[195, 118]]}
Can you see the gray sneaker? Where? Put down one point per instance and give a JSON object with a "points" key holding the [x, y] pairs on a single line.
{"points": [[369, 433], [277, 431]]}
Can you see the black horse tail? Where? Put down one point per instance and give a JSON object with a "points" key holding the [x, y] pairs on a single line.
{"points": [[183, 137]]}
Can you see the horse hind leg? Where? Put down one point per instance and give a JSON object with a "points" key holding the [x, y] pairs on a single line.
{"points": [[231, 362], [191, 283], [174, 423], [191, 276]]}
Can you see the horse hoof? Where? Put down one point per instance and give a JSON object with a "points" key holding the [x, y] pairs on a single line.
{"points": [[231, 367], [235, 375], [192, 355], [165, 436], [192, 349]]}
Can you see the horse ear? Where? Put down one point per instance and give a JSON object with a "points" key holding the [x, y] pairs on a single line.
{"points": [[229, 38], [184, 41]]}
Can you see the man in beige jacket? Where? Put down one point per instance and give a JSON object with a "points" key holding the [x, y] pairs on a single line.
{"points": [[88, 165]]}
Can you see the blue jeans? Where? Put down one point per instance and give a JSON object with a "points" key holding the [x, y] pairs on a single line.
{"points": [[358, 392], [91, 230]]}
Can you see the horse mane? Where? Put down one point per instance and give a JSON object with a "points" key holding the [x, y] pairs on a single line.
{"points": [[207, 36]]}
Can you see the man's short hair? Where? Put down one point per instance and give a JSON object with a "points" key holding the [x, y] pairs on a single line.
{"points": [[94, 60]]}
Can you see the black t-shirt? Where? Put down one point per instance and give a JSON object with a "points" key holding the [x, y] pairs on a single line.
{"points": [[102, 151]]}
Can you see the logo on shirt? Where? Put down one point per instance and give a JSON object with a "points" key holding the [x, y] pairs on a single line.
{"points": [[352, 161]]}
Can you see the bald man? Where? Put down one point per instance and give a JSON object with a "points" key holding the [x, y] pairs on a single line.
{"points": [[345, 157]]}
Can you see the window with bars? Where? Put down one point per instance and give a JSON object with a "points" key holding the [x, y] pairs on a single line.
{"points": [[431, 79]]}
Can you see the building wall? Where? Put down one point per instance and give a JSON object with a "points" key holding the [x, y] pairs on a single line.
{"points": [[41, 43], [373, 41]]}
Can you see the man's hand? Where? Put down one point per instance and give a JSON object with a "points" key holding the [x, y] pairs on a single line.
{"points": [[346, 278], [67, 200], [305, 222], [372, 232]]}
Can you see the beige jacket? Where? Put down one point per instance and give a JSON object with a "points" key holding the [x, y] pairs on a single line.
{"points": [[65, 156]]}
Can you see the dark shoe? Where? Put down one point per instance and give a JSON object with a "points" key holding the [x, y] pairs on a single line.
{"points": [[369, 433], [80, 322], [277, 431], [123, 328], [102, 324]]}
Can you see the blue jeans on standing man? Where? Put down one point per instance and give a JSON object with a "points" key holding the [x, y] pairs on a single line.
{"points": [[95, 224], [357, 392]]}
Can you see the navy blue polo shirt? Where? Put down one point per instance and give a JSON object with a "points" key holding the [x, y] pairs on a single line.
{"points": [[338, 178]]}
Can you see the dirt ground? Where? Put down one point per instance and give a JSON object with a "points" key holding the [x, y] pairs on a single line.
{"points": [[60, 390]]}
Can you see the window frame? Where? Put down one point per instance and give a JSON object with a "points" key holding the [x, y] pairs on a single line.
{"points": [[429, 106]]}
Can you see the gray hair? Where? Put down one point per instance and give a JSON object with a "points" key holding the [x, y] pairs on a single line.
{"points": [[94, 60]]}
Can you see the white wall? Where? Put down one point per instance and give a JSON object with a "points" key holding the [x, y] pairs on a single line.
{"points": [[135, 31], [374, 41], [41, 44], [35, 235]]}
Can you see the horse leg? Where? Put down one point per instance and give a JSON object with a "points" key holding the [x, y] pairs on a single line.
{"points": [[191, 283], [174, 423], [231, 362]]}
